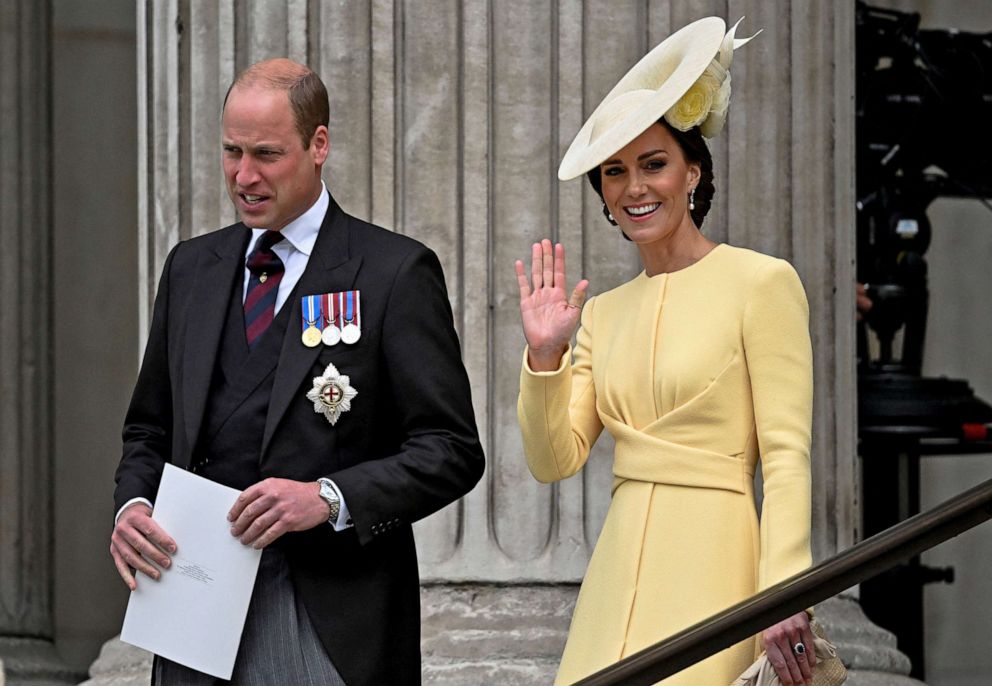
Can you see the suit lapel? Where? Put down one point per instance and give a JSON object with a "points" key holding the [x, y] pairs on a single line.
{"points": [[213, 283], [330, 269]]}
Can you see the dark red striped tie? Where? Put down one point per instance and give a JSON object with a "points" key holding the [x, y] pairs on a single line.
{"points": [[266, 272]]}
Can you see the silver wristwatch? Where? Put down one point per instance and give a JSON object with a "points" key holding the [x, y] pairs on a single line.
{"points": [[330, 497]]}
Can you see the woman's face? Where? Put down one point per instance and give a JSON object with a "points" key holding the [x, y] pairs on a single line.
{"points": [[646, 186]]}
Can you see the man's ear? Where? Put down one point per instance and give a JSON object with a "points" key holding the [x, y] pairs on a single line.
{"points": [[320, 145]]}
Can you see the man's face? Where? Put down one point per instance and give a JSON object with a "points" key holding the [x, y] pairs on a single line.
{"points": [[271, 179]]}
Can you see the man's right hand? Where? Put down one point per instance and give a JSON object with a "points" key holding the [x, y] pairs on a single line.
{"points": [[138, 543]]}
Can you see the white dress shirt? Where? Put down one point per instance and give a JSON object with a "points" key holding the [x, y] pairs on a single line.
{"points": [[294, 250]]}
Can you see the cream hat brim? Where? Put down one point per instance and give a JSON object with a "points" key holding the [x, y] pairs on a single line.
{"points": [[644, 94]]}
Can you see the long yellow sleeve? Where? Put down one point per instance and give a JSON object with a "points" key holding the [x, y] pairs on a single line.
{"points": [[557, 410], [780, 366]]}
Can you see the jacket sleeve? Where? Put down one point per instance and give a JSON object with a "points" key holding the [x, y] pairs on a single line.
{"points": [[557, 410], [440, 458], [148, 423], [780, 365]]}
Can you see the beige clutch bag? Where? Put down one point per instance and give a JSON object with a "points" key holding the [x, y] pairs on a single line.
{"points": [[828, 671]]}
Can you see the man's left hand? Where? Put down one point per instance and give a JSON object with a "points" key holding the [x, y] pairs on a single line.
{"points": [[270, 508]]}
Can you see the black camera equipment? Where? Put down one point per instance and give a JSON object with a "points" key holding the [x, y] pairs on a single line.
{"points": [[924, 130]]}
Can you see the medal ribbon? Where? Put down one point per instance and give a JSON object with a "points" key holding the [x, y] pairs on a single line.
{"points": [[351, 315], [312, 313], [327, 304]]}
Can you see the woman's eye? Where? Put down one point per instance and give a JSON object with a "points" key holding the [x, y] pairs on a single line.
{"points": [[612, 171], [654, 164]]}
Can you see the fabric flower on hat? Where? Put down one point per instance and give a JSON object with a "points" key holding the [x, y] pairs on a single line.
{"points": [[706, 102], [713, 124], [693, 107]]}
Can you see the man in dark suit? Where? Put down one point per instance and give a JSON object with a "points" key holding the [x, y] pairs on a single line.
{"points": [[337, 447]]}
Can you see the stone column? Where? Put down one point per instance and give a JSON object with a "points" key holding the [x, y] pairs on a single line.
{"points": [[448, 120], [26, 626]]}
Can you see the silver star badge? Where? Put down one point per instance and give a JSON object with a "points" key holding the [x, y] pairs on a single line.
{"points": [[331, 394]]}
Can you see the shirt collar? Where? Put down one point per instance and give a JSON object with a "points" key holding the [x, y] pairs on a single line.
{"points": [[301, 233]]}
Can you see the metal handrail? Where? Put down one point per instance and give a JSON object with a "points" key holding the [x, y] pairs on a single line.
{"points": [[849, 567]]}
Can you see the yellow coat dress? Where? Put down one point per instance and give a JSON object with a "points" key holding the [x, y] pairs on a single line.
{"points": [[696, 374]]}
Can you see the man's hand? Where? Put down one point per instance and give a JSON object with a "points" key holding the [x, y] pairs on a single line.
{"points": [[137, 542], [862, 302], [270, 508]]}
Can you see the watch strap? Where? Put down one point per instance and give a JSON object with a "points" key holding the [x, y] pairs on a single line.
{"points": [[330, 496]]}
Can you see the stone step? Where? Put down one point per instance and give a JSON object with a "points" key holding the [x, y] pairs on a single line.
{"points": [[120, 664], [486, 622], [33, 662], [520, 672]]}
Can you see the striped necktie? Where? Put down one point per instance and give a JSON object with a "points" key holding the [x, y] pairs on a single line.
{"points": [[266, 272]]}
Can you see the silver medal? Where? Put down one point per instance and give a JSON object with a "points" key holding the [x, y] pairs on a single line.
{"points": [[351, 333], [331, 335]]}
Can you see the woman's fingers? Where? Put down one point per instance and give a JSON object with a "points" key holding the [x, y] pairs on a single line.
{"points": [[784, 663], [798, 662], [559, 266], [548, 263], [536, 266], [808, 641], [578, 296], [522, 279], [781, 642], [547, 270]]}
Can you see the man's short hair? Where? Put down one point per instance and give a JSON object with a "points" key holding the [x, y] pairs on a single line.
{"points": [[307, 93]]}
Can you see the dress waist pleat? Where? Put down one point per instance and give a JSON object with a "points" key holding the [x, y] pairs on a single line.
{"points": [[640, 456]]}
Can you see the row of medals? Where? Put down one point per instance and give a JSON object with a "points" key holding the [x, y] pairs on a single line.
{"points": [[331, 335]]}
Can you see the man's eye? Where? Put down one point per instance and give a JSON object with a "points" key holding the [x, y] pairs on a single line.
{"points": [[231, 150]]}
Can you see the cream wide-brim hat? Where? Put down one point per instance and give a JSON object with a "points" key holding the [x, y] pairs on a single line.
{"points": [[649, 90]]}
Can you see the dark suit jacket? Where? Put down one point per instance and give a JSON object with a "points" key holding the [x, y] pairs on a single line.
{"points": [[408, 447]]}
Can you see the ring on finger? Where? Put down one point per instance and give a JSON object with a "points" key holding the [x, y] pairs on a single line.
{"points": [[799, 649]]}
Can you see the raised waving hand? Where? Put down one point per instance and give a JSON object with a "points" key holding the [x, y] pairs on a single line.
{"points": [[549, 315]]}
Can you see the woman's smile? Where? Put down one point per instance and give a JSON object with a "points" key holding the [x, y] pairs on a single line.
{"points": [[641, 212]]}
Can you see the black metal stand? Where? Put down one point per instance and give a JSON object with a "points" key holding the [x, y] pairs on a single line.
{"points": [[890, 470]]}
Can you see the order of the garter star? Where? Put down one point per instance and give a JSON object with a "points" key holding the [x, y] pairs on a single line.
{"points": [[331, 394]]}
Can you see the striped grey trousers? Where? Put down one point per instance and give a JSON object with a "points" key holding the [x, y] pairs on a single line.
{"points": [[279, 644]]}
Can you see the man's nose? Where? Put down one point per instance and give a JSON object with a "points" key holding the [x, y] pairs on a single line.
{"points": [[247, 172]]}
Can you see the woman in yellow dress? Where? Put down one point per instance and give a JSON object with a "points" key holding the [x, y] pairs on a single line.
{"points": [[699, 367]]}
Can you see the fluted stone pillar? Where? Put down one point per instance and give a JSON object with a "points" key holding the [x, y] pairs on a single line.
{"points": [[26, 627], [448, 120]]}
